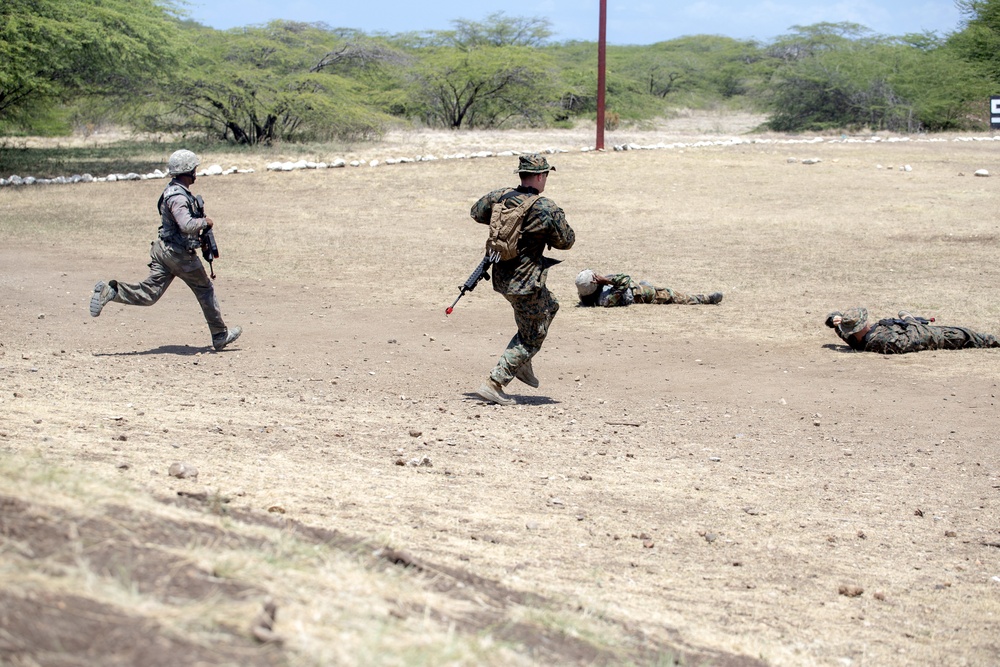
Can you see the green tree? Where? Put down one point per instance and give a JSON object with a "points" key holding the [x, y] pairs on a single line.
{"points": [[902, 84], [260, 84], [485, 74], [482, 87], [979, 41], [52, 49], [709, 64], [498, 29]]}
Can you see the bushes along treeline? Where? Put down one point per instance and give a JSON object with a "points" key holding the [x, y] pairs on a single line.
{"points": [[141, 63]]}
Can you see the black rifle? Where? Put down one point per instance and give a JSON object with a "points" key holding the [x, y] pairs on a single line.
{"points": [[920, 320], [479, 274], [209, 248]]}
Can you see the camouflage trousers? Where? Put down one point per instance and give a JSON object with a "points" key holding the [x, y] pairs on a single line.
{"points": [[643, 292], [533, 313], [167, 263], [902, 336]]}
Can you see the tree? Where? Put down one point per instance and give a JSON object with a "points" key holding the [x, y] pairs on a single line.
{"points": [[260, 84], [498, 29], [51, 49], [482, 87], [485, 74], [901, 84], [979, 41]]}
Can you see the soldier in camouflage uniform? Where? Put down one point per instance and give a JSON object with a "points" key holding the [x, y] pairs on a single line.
{"points": [[619, 289], [904, 334], [174, 254], [522, 280]]}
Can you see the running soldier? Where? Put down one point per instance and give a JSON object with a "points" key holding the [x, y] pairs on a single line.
{"points": [[174, 254], [521, 280]]}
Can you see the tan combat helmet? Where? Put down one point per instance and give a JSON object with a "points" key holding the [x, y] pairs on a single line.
{"points": [[585, 283], [182, 162]]}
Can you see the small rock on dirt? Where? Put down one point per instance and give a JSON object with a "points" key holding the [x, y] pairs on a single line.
{"points": [[183, 471], [851, 590]]}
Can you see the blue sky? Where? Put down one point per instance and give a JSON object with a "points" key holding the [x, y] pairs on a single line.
{"points": [[629, 21]]}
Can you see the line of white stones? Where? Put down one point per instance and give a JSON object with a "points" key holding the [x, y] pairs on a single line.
{"points": [[217, 170]]}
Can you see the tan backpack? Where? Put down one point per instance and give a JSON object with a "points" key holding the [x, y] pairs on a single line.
{"points": [[505, 226]]}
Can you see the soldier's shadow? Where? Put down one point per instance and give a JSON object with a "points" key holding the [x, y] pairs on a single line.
{"points": [[521, 399], [178, 350]]}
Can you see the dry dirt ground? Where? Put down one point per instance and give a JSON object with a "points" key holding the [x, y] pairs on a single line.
{"points": [[721, 485]]}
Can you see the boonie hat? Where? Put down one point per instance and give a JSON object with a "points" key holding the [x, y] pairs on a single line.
{"points": [[533, 164], [585, 283], [853, 321]]}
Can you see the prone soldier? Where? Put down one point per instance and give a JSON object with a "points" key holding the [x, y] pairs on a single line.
{"points": [[902, 334]]}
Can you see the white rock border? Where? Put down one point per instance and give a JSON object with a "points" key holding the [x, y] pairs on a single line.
{"points": [[217, 170]]}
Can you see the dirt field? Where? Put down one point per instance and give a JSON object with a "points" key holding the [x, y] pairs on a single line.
{"points": [[721, 485]]}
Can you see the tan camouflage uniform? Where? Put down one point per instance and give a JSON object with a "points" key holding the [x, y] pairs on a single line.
{"points": [[522, 280]]}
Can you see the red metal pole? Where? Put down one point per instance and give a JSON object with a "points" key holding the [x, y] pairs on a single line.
{"points": [[601, 65]]}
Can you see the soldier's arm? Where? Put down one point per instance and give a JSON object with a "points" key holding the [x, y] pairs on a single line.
{"points": [[560, 235], [187, 223], [483, 209], [619, 281]]}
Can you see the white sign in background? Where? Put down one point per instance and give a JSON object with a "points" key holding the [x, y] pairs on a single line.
{"points": [[995, 111]]}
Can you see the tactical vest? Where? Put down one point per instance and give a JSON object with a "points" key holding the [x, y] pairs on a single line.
{"points": [[169, 231], [505, 224]]}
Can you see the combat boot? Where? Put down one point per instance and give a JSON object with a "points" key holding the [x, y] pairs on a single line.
{"points": [[491, 392], [905, 315], [104, 293], [220, 341], [713, 298], [526, 374]]}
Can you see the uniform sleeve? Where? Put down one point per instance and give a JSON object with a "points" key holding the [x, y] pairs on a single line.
{"points": [[620, 281], [617, 293], [561, 235], [482, 210], [181, 211]]}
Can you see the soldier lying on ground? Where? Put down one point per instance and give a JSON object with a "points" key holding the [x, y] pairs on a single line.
{"points": [[904, 334], [619, 289]]}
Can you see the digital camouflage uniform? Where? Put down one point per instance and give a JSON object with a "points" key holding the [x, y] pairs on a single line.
{"points": [[522, 280], [906, 334], [624, 291], [174, 255]]}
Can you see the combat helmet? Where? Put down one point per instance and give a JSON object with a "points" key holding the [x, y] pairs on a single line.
{"points": [[182, 162], [585, 283]]}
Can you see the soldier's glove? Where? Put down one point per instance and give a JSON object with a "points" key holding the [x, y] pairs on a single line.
{"points": [[829, 318]]}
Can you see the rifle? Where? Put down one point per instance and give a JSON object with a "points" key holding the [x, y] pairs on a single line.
{"points": [[480, 273], [920, 320], [209, 248]]}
